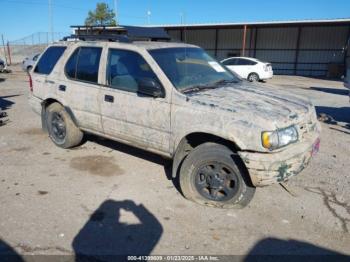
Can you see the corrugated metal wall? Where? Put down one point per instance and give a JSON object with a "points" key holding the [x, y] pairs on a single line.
{"points": [[293, 49], [319, 47]]}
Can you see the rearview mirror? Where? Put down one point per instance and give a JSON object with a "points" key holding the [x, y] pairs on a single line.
{"points": [[150, 87]]}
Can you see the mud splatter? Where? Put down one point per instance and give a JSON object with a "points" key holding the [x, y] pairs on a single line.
{"points": [[33, 132], [78, 148], [20, 149], [180, 206], [96, 165], [42, 192]]}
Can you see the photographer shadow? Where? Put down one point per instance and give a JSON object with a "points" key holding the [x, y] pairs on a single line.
{"points": [[8, 254], [274, 249], [104, 237]]}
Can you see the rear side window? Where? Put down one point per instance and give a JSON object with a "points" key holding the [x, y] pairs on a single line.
{"points": [[84, 64], [245, 62], [230, 62], [49, 59]]}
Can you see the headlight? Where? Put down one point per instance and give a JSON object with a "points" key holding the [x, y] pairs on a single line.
{"points": [[279, 138]]}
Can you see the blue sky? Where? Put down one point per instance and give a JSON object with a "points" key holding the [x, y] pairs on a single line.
{"points": [[20, 18]]}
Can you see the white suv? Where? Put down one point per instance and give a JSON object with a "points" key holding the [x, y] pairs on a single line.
{"points": [[225, 136], [249, 68]]}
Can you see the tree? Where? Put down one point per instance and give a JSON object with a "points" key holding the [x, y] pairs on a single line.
{"points": [[102, 15]]}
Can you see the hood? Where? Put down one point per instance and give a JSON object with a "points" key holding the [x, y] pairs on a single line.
{"points": [[268, 103]]}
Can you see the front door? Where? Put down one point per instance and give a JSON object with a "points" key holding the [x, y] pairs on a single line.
{"points": [[141, 120]]}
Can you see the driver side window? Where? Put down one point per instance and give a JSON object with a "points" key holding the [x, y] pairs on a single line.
{"points": [[125, 70]]}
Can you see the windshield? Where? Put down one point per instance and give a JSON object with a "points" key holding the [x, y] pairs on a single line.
{"points": [[192, 68]]}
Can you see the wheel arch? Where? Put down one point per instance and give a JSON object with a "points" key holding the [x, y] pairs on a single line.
{"points": [[47, 102], [192, 140], [255, 73]]}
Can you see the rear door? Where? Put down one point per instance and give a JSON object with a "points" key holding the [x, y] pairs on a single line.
{"points": [[42, 86], [79, 88]]}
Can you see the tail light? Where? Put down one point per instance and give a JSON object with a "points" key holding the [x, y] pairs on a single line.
{"points": [[30, 83], [267, 67]]}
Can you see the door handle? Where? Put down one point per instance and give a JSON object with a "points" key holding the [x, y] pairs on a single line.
{"points": [[109, 99], [62, 88]]}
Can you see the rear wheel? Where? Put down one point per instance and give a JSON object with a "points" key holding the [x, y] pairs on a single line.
{"points": [[62, 130], [212, 175], [253, 77]]}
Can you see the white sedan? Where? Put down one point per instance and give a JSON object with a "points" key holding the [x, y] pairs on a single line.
{"points": [[347, 80], [29, 62], [249, 68]]}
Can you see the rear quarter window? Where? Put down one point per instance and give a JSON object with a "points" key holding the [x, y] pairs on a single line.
{"points": [[49, 59]]}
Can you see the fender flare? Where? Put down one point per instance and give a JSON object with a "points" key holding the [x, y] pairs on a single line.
{"points": [[45, 104]]}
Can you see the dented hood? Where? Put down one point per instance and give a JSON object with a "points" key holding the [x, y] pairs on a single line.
{"points": [[270, 103]]}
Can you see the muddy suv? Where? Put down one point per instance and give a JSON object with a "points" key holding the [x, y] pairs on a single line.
{"points": [[226, 136]]}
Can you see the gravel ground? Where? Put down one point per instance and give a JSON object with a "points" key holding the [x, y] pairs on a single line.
{"points": [[105, 197]]}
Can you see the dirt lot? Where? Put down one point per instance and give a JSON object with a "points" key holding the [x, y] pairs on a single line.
{"points": [[107, 197]]}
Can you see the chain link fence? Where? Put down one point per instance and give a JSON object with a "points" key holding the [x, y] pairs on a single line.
{"points": [[15, 51]]}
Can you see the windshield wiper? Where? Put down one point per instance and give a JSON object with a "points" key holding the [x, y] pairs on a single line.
{"points": [[198, 88], [225, 82], [214, 85]]}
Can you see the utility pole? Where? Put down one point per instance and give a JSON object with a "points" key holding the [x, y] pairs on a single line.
{"points": [[51, 21], [116, 11], [9, 52], [3, 44], [244, 39]]}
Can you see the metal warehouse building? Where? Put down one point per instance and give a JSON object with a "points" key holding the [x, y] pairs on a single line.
{"points": [[309, 48]]}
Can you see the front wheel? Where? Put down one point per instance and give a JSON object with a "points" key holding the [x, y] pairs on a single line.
{"points": [[62, 130], [212, 175]]}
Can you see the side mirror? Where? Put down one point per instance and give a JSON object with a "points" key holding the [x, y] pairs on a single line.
{"points": [[150, 87]]}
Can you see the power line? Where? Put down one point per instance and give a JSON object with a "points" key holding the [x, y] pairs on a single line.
{"points": [[42, 4]]}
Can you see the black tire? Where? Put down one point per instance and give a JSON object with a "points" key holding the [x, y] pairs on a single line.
{"points": [[62, 130], [237, 183], [253, 77], [2, 67]]}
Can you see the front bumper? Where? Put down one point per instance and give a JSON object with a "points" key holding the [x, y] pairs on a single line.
{"points": [[270, 168]]}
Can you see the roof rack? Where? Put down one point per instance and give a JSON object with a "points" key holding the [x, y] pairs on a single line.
{"points": [[125, 34], [109, 38]]}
